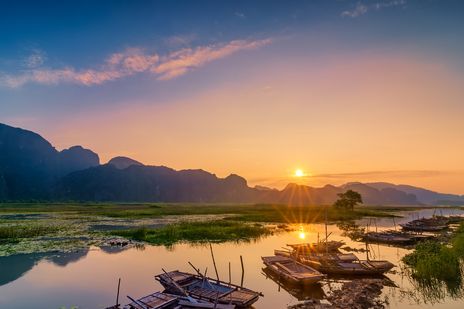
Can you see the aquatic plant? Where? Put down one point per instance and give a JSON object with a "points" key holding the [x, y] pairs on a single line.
{"points": [[215, 231]]}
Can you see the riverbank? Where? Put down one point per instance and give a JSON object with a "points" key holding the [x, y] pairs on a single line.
{"points": [[38, 227]]}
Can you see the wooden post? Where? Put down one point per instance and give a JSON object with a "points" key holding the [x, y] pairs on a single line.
{"points": [[243, 271], [214, 262], [117, 295], [326, 236], [230, 275]]}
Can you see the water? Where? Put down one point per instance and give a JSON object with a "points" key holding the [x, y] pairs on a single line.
{"points": [[88, 278]]}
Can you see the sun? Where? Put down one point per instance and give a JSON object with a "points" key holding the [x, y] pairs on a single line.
{"points": [[299, 173]]}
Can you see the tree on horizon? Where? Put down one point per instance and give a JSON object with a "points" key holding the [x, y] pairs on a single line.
{"points": [[348, 200]]}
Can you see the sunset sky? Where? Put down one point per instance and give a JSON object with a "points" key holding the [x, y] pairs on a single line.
{"points": [[343, 90]]}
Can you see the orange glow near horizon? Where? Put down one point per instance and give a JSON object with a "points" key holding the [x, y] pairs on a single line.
{"points": [[370, 117]]}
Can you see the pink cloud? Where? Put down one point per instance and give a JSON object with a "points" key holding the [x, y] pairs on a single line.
{"points": [[133, 61], [182, 61]]}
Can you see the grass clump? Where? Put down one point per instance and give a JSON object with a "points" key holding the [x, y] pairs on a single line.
{"points": [[212, 231], [437, 268], [432, 260], [12, 232]]}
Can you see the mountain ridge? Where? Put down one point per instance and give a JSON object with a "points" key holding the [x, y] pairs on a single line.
{"points": [[31, 168]]}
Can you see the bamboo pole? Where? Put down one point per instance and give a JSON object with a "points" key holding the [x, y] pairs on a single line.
{"points": [[243, 271], [117, 295], [214, 261], [230, 275]]}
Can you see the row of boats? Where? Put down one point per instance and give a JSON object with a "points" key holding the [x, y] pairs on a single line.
{"points": [[412, 231], [310, 263]]}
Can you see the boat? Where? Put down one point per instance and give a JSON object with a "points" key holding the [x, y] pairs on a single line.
{"points": [[434, 224], [291, 270], [300, 292], [337, 263], [329, 246], [331, 264], [161, 300], [204, 288], [395, 237]]}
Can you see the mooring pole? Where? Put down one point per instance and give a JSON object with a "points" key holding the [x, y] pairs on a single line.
{"points": [[230, 275], [214, 262], [117, 295], [243, 271], [326, 236]]}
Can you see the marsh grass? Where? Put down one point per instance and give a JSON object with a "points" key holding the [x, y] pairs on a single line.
{"points": [[197, 232], [242, 212], [14, 232]]}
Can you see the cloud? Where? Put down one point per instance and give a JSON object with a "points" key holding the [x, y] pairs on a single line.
{"points": [[35, 59], [361, 9], [130, 62], [393, 174], [187, 59]]}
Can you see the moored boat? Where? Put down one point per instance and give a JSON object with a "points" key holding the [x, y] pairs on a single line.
{"points": [[338, 263], [207, 289], [333, 265], [161, 300], [291, 270], [394, 237]]}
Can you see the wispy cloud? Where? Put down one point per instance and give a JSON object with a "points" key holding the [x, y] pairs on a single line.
{"points": [[361, 9], [187, 59], [131, 61], [35, 59]]}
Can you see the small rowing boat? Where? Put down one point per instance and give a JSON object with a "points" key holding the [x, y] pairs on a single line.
{"points": [[395, 237], [291, 270], [207, 289], [161, 300]]}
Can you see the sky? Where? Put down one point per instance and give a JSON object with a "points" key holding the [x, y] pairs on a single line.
{"points": [[342, 90]]}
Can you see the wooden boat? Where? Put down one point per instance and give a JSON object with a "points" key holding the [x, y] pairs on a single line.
{"points": [[434, 224], [394, 237], [207, 289], [339, 263], [300, 292], [291, 270], [160, 300], [333, 265], [329, 246]]}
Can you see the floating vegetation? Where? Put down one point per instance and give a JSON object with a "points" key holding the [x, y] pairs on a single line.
{"points": [[210, 231]]}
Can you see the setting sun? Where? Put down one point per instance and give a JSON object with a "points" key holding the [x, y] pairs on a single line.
{"points": [[299, 173]]}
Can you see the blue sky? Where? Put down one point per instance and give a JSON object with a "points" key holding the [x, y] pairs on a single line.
{"points": [[69, 70]]}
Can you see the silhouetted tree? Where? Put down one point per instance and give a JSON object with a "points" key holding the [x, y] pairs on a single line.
{"points": [[348, 200]]}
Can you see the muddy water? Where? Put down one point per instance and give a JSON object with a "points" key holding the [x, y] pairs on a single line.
{"points": [[88, 279]]}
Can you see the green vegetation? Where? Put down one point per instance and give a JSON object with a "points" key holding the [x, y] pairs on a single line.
{"points": [[245, 212], [436, 267], [210, 231], [45, 227], [14, 232], [348, 200]]}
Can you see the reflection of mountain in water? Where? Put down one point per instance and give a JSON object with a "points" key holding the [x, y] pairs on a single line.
{"points": [[15, 266], [63, 259]]}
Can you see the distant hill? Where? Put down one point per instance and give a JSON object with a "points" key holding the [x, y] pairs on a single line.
{"points": [[31, 168], [423, 195], [123, 162], [30, 165]]}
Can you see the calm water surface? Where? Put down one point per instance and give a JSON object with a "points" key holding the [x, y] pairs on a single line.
{"points": [[88, 279]]}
